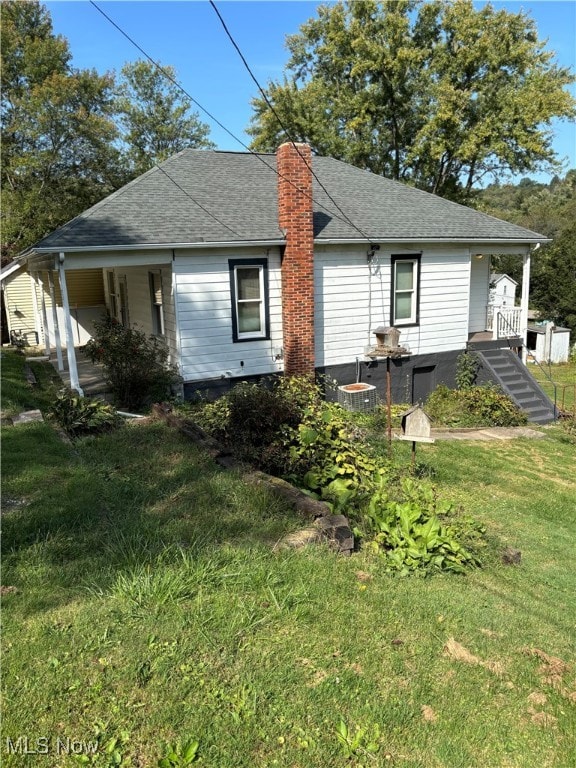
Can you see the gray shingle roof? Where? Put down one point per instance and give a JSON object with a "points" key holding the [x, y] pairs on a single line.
{"points": [[210, 196]]}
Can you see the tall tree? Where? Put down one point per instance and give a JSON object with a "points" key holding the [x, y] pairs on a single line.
{"points": [[57, 134], [156, 116], [554, 281], [440, 95]]}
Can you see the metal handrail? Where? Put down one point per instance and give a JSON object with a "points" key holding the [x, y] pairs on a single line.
{"points": [[547, 375]]}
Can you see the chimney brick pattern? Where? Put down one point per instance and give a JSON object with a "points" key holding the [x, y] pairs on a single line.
{"points": [[295, 217]]}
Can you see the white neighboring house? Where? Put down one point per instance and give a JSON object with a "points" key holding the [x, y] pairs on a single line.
{"points": [[502, 291], [248, 265]]}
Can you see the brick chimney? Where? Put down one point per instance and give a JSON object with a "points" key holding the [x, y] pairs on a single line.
{"points": [[296, 219]]}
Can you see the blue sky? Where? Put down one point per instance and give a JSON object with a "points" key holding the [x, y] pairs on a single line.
{"points": [[189, 36]]}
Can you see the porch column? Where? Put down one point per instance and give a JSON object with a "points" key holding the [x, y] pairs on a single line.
{"points": [[70, 351], [524, 304], [55, 321], [37, 323], [40, 282]]}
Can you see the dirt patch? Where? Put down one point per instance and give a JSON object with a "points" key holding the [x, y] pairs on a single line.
{"points": [[543, 719], [428, 714], [538, 698], [457, 652], [8, 590]]}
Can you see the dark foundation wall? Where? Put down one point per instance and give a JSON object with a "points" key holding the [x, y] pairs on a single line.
{"points": [[412, 378]]}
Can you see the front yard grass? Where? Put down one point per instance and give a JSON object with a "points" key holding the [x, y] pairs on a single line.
{"points": [[564, 376], [143, 604]]}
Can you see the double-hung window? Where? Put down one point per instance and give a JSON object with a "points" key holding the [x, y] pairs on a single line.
{"points": [[405, 280], [156, 303], [249, 292]]}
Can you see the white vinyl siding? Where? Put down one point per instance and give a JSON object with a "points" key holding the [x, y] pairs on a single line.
{"points": [[479, 292], [207, 346], [352, 300]]}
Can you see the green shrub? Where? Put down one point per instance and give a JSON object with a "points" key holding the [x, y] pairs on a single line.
{"points": [[79, 416], [476, 406], [287, 429], [409, 534], [467, 366], [252, 418], [327, 460], [136, 365]]}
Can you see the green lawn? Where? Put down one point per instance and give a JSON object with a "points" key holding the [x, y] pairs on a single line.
{"points": [[144, 604], [563, 375]]}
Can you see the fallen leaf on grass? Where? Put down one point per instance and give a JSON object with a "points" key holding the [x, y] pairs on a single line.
{"points": [[8, 590]]}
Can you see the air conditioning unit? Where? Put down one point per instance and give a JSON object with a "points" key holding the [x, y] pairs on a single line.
{"points": [[357, 397]]}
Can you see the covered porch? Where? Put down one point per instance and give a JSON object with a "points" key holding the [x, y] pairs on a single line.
{"points": [[138, 291], [491, 325]]}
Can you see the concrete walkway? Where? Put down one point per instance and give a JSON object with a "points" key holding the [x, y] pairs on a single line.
{"points": [[90, 375], [488, 433]]}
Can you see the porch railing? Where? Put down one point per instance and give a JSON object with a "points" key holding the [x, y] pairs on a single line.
{"points": [[503, 322]]}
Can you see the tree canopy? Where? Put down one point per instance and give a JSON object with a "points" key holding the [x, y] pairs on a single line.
{"points": [[439, 95], [155, 116], [57, 132], [69, 136]]}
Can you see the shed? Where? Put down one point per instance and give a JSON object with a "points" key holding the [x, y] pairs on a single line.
{"points": [[552, 346]]}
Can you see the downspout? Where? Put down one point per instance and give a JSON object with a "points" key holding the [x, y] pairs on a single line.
{"points": [[55, 321], [524, 302], [70, 351]]}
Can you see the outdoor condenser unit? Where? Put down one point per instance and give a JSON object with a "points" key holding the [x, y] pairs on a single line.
{"points": [[357, 397]]}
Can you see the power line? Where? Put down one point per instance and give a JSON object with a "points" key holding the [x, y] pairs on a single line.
{"points": [[277, 116], [167, 75]]}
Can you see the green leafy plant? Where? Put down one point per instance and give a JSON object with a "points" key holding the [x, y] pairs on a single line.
{"points": [[79, 416], [409, 534], [327, 461], [475, 406], [467, 366], [136, 365], [179, 754], [357, 743]]}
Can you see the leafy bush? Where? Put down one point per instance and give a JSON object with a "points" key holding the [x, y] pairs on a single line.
{"points": [[286, 428], [409, 534], [467, 366], [80, 416], [325, 459], [252, 418], [136, 365], [476, 406]]}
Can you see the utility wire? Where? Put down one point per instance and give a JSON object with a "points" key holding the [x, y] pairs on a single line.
{"points": [[168, 76], [277, 116]]}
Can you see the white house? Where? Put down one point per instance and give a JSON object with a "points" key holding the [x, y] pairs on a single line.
{"points": [[502, 291], [252, 264]]}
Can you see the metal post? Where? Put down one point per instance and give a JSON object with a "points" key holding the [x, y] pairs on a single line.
{"points": [[44, 314], [389, 405], [524, 304]]}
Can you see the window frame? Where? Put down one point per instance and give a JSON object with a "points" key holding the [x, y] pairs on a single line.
{"points": [[156, 308], [262, 265], [414, 318]]}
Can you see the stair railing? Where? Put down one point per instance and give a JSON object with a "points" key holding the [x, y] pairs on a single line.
{"points": [[530, 354]]}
